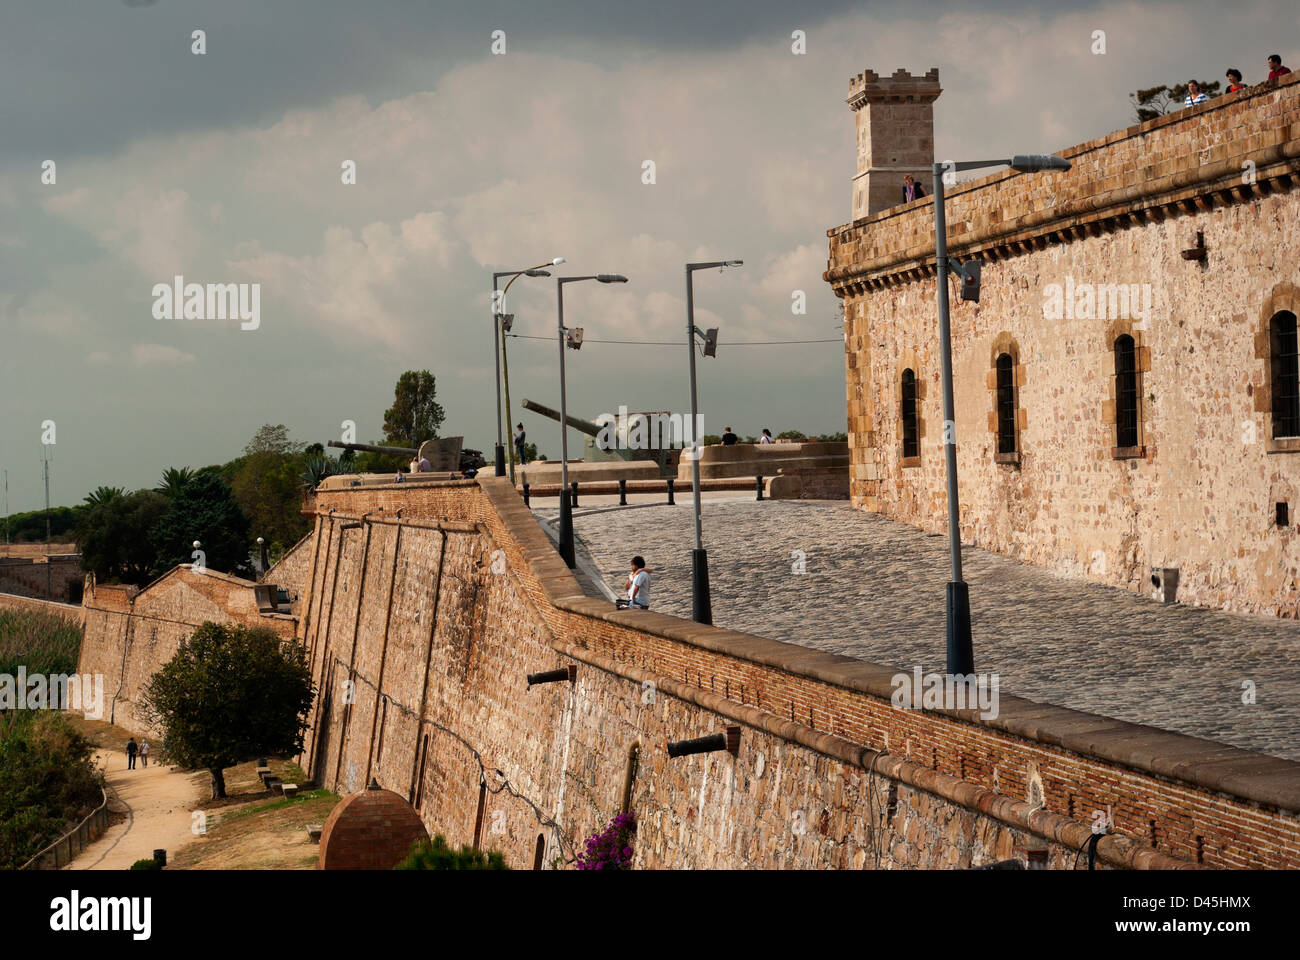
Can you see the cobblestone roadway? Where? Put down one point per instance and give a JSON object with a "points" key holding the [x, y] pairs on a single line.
{"points": [[874, 589]]}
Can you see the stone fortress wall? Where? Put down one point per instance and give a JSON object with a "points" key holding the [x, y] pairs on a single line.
{"points": [[428, 602], [1201, 491]]}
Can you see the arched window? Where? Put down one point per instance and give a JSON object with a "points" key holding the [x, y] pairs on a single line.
{"points": [[1285, 374], [1126, 392], [539, 852], [911, 445], [1006, 404]]}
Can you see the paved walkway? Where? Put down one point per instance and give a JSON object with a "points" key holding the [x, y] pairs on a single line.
{"points": [[874, 589], [157, 801]]}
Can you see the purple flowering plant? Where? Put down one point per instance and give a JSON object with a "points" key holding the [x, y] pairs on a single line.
{"points": [[611, 848]]}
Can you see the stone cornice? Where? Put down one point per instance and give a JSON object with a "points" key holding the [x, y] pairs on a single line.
{"points": [[1003, 215]]}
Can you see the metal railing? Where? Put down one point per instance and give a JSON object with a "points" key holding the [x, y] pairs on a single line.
{"points": [[65, 849]]}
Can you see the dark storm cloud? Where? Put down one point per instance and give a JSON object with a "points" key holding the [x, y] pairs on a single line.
{"points": [[82, 78]]}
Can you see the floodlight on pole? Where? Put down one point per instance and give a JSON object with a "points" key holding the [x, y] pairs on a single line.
{"points": [[566, 545], [499, 349], [701, 601], [960, 651]]}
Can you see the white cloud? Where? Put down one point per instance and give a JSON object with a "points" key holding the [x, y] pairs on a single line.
{"points": [[147, 354]]}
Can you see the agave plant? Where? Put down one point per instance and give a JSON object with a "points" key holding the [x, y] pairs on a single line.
{"points": [[318, 468]]}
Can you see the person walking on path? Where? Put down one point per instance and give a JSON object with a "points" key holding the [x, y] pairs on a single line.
{"points": [[131, 750], [144, 752]]}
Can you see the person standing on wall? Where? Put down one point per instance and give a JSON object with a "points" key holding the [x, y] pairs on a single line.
{"points": [[1275, 68], [519, 442], [911, 189], [766, 437], [729, 438]]}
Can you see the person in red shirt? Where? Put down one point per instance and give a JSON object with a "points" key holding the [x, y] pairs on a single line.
{"points": [[1234, 80], [1275, 68]]}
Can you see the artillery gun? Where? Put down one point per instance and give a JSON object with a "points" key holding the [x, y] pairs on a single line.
{"points": [[594, 451]]}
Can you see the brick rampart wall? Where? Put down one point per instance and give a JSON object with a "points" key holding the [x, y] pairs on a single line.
{"points": [[435, 599], [130, 633]]}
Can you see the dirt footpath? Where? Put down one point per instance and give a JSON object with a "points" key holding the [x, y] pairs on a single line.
{"points": [[157, 801]]}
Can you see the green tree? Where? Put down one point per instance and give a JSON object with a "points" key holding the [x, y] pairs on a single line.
{"points": [[272, 438], [114, 536], [266, 483], [48, 781], [1157, 101], [439, 855], [174, 481], [204, 510], [103, 495], [415, 415], [229, 694]]}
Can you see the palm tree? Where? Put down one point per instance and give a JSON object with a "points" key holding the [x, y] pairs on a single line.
{"points": [[103, 495], [174, 480]]}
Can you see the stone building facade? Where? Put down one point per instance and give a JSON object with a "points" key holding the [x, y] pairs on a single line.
{"points": [[1126, 386]]}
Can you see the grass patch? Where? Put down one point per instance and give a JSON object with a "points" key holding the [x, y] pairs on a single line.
{"points": [[41, 642]]}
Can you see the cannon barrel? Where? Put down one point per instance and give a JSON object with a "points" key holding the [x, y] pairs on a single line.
{"points": [[371, 448], [585, 426]]}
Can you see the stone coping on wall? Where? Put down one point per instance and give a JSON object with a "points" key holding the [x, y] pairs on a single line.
{"points": [[1259, 778], [1193, 156], [132, 600]]}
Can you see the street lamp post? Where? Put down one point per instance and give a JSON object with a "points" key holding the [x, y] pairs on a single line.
{"points": [[566, 508], [960, 652], [701, 601], [498, 347]]}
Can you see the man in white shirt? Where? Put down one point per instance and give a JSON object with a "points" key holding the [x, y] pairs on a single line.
{"points": [[638, 585]]}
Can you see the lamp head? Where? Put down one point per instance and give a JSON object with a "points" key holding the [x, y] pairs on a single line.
{"points": [[537, 273], [611, 278], [1034, 162], [557, 261]]}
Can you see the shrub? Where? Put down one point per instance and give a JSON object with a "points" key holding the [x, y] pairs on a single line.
{"points": [[611, 849], [48, 782], [149, 864], [438, 855]]}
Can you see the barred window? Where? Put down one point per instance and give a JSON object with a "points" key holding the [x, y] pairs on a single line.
{"points": [[1006, 404], [1126, 392], [911, 446], [1286, 374]]}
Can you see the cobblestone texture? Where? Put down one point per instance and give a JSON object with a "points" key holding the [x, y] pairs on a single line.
{"points": [[874, 589]]}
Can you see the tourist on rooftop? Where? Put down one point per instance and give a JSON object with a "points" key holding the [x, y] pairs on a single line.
{"points": [[911, 189], [1275, 68], [1194, 95], [766, 437], [729, 438], [424, 466], [519, 442], [1234, 80]]}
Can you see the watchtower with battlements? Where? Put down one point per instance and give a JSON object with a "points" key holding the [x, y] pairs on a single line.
{"points": [[895, 135]]}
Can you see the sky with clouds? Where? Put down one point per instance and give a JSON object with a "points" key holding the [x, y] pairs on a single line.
{"points": [[226, 168]]}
